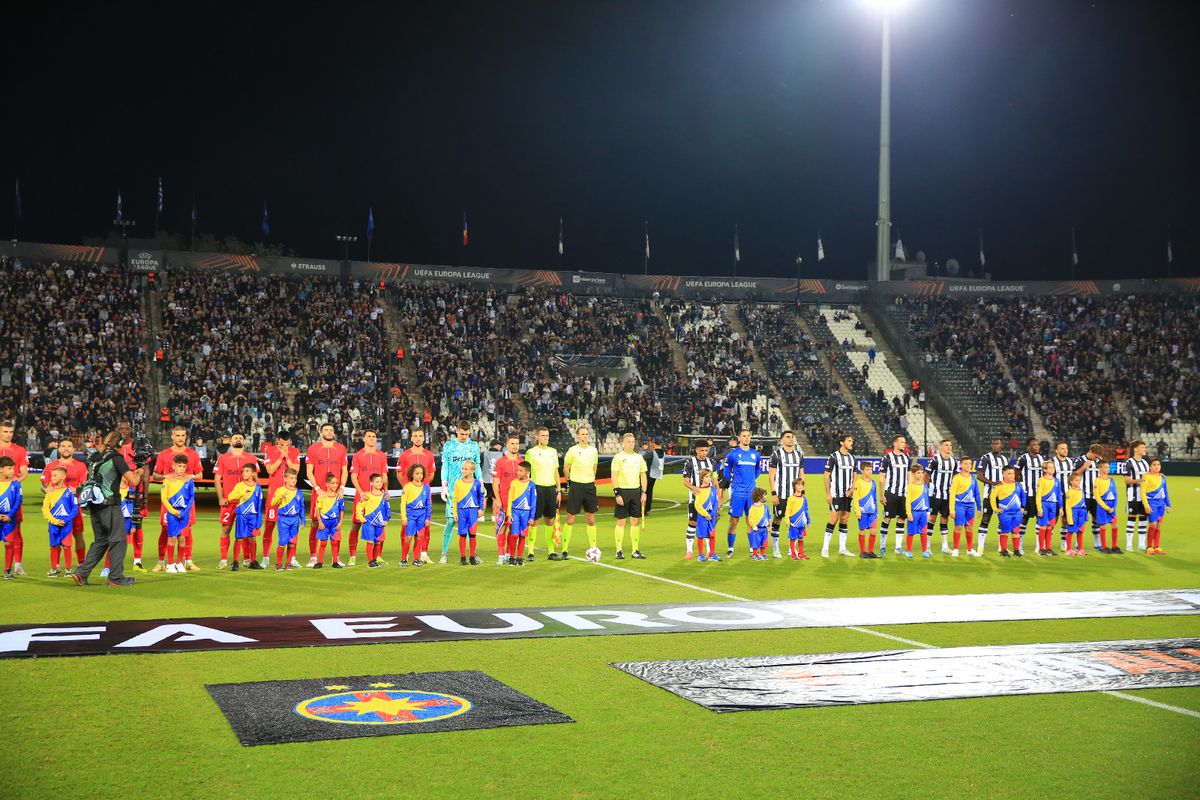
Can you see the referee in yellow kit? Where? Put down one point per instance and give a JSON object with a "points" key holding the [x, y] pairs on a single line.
{"points": [[543, 463], [579, 468], [629, 494]]}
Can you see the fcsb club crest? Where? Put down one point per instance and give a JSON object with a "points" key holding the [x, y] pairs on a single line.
{"points": [[381, 705]]}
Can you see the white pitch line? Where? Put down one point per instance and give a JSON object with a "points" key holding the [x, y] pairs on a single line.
{"points": [[1155, 703], [913, 642]]}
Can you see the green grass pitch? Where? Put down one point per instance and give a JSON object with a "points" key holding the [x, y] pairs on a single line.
{"points": [[143, 725]]}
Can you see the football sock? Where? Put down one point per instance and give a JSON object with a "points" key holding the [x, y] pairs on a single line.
{"points": [[862, 542], [1003, 542], [55, 552], [312, 541], [957, 537], [1142, 525], [405, 544], [472, 537], [67, 557], [511, 544], [689, 539], [591, 532], [908, 542], [253, 544], [162, 543], [225, 547], [970, 538], [566, 536], [635, 534], [924, 543], [80, 550], [370, 551], [354, 540], [944, 530], [1130, 530], [170, 552], [279, 556], [188, 544], [871, 541], [321, 552], [291, 552], [462, 545], [800, 547], [337, 547], [379, 543], [530, 536], [8, 555], [730, 539], [268, 530], [1097, 536], [138, 538], [548, 531], [828, 535], [775, 541], [982, 538], [843, 532], [619, 534], [447, 532]]}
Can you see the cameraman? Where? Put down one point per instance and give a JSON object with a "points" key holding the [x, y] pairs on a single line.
{"points": [[101, 494]]}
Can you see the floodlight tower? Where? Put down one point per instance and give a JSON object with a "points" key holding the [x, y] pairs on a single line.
{"points": [[883, 221]]}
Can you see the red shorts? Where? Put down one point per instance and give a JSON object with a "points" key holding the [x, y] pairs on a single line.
{"points": [[272, 514], [228, 513]]}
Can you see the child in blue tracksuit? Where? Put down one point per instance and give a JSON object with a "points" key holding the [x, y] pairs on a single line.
{"points": [[759, 517], [707, 504]]}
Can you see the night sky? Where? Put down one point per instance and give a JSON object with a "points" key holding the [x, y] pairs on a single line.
{"points": [[1025, 117]]}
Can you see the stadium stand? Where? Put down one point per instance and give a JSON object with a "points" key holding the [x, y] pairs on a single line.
{"points": [[72, 349]]}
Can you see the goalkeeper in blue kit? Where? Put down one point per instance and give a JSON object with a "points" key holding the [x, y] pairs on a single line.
{"points": [[741, 469], [455, 453]]}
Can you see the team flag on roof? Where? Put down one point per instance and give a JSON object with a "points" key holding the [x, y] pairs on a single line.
{"points": [[160, 196], [737, 246], [982, 259], [266, 226], [18, 208], [371, 224], [466, 230], [1074, 249], [120, 208], [820, 249], [900, 251], [560, 236], [646, 225]]}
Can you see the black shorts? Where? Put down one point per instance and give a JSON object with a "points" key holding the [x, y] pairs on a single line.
{"points": [[1136, 508], [893, 506], [840, 504], [547, 502], [1031, 511], [777, 513], [1090, 502], [581, 496], [632, 507], [939, 507], [692, 515]]}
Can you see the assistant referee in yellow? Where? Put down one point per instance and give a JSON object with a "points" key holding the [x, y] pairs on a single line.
{"points": [[629, 494], [543, 463], [579, 468]]}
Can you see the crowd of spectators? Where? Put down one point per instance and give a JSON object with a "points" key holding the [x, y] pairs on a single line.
{"points": [[72, 349]]}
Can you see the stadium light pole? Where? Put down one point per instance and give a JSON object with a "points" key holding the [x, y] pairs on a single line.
{"points": [[346, 242], [883, 221]]}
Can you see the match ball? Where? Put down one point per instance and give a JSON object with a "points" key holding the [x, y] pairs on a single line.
{"points": [[593, 554]]}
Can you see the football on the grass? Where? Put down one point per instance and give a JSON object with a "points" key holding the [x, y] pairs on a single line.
{"points": [[593, 554]]}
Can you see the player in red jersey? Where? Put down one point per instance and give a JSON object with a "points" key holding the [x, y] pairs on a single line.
{"points": [[164, 465], [325, 457], [20, 459], [418, 454], [226, 475], [365, 463], [76, 474], [278, 458], [504, 473]]}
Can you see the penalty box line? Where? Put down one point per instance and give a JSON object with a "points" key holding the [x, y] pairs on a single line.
{"points": [[1120, 695]]}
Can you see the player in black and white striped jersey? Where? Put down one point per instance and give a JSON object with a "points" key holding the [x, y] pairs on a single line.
{"points": [[1029, 471], [942, 468], [1088, 465], [785, 467], [1136, 468], [1064, 465], [990, 469], [692, 468], [839, 483], [896, 463]]}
